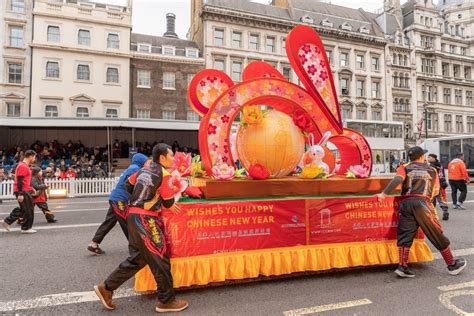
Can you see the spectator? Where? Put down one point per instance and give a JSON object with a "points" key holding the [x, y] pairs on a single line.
{"points": [[69, 174], [3, 176], [175, 146], [99, 172], [57, 173], [79, 173], [48, 173], [458, 180], [62, 166], [116, 149], [88, 173]]}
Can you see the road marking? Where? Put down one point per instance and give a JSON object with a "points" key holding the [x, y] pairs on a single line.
{"points": [[456, 286], [458, 252], [59, 202], [67, 211], [445, 299], [61, 299], [54, 226], [329, 307]]}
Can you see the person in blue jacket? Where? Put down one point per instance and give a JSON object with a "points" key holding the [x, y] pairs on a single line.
{"points": [[118, 201]]}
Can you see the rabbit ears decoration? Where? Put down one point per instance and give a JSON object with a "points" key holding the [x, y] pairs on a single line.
{"points": [[322, 142], [314, 109]]}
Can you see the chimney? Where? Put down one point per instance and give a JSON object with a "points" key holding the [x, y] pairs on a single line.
{"points": [[170, 23]]}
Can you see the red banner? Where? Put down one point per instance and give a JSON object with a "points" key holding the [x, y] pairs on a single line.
{"points": [[352, 219], [216, 227]]}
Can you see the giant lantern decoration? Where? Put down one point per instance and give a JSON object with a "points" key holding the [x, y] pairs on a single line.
{"points": [[277, 141]]}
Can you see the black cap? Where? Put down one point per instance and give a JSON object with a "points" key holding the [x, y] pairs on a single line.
{"points": [[416, 152]]}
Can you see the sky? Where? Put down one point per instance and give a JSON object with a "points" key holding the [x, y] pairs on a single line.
{"points": [[149, 15]]}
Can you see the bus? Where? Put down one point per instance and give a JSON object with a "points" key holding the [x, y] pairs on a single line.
{"points": [[446, 149]]}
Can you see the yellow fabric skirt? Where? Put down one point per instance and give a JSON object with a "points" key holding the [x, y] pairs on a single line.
{"points": [[202, 270]]}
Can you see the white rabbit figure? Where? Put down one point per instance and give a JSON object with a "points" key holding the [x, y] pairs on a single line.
{"points": [[316, 153]]}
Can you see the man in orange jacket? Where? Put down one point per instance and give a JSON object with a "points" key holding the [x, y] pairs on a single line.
{"points": [[458, 180]]}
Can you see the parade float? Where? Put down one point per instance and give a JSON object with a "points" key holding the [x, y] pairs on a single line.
{"points": [[276, 200]]}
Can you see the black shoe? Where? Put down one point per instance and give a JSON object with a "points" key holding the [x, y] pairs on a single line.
{"points": [[52, 221], [96, 250], [457, 267], [404, 272], [445, 216]]}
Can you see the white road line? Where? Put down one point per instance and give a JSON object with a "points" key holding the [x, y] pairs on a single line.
{"points": [[60, 299], [458, 252], [53, 226], [445, 299], [71, 201], [456, 286], [67, 211], [329, 307]]}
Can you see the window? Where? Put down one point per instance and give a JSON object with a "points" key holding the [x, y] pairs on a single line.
{"points": [[346, 113], [467, 72], [457, 71], [15, 73], [452, 49], [361, 114], [360, 61], [113, 41], [443, 47], [375, 63], [192, 116], [469, 98], [447, 95], [53, 34], [83, 72], [143, 78], [459, 124], [144, 48], [283, 45], [236, 39], [52, 69], [458, 97], [270, 44], [169, 115], [192, 53], [329, 55], [445, 69], [344, 86], [168, 50], [428, 65], [13, 109], [169, 79], [51, 111], [111, 113], [112, 75], [84, 37], [18, 6], [219, 64], [254, 42], [463, 51], [82, 112], [360, 88], [219, 37], [143, 114], [287, 73], [345, 59], [470, 124], [376, 115], [16, 36], [427, 41], [189, 77], [448, 127], [236, 71], [376, 90]]}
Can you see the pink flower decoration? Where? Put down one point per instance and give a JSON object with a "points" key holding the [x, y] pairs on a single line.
{"points": [[202, 83], [212, 129], [182, 164], [359, 171], [312, 69], [322, 63], [303, 59], [323, 75], [225, 119], [178, 185], [214, 147], [306, 48], [223, 171]]}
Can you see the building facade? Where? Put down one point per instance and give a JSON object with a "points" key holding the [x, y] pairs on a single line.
{"points": [[161, 70], [15, 54], [81, 59]]}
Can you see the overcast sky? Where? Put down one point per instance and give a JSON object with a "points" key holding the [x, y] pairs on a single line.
{"points": [[149, 15]]}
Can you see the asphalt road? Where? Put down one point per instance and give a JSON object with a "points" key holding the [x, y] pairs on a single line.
{"points": [[52, 273]]}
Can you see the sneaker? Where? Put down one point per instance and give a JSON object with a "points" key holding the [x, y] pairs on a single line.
{"points": [[6, 226], [456, 206], [28, 231], [104, 295], [173, 306], [461, 207], [445, 216], [404, 272], [457, 267]]}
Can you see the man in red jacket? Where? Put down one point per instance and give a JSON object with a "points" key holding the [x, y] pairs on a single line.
{"points": [[458, 180], [23, 191]]}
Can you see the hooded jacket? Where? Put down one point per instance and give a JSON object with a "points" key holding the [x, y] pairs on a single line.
{"points": [[457, 170], [38, 184], [120, 193]]}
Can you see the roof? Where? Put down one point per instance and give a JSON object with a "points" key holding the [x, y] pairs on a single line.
{"points": [[158, 41]]}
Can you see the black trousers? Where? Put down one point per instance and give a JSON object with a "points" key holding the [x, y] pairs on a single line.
{"points": [[462, 187], [46, 211], [418, 212], [111, 219], [25, 211], [146, 246]]}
